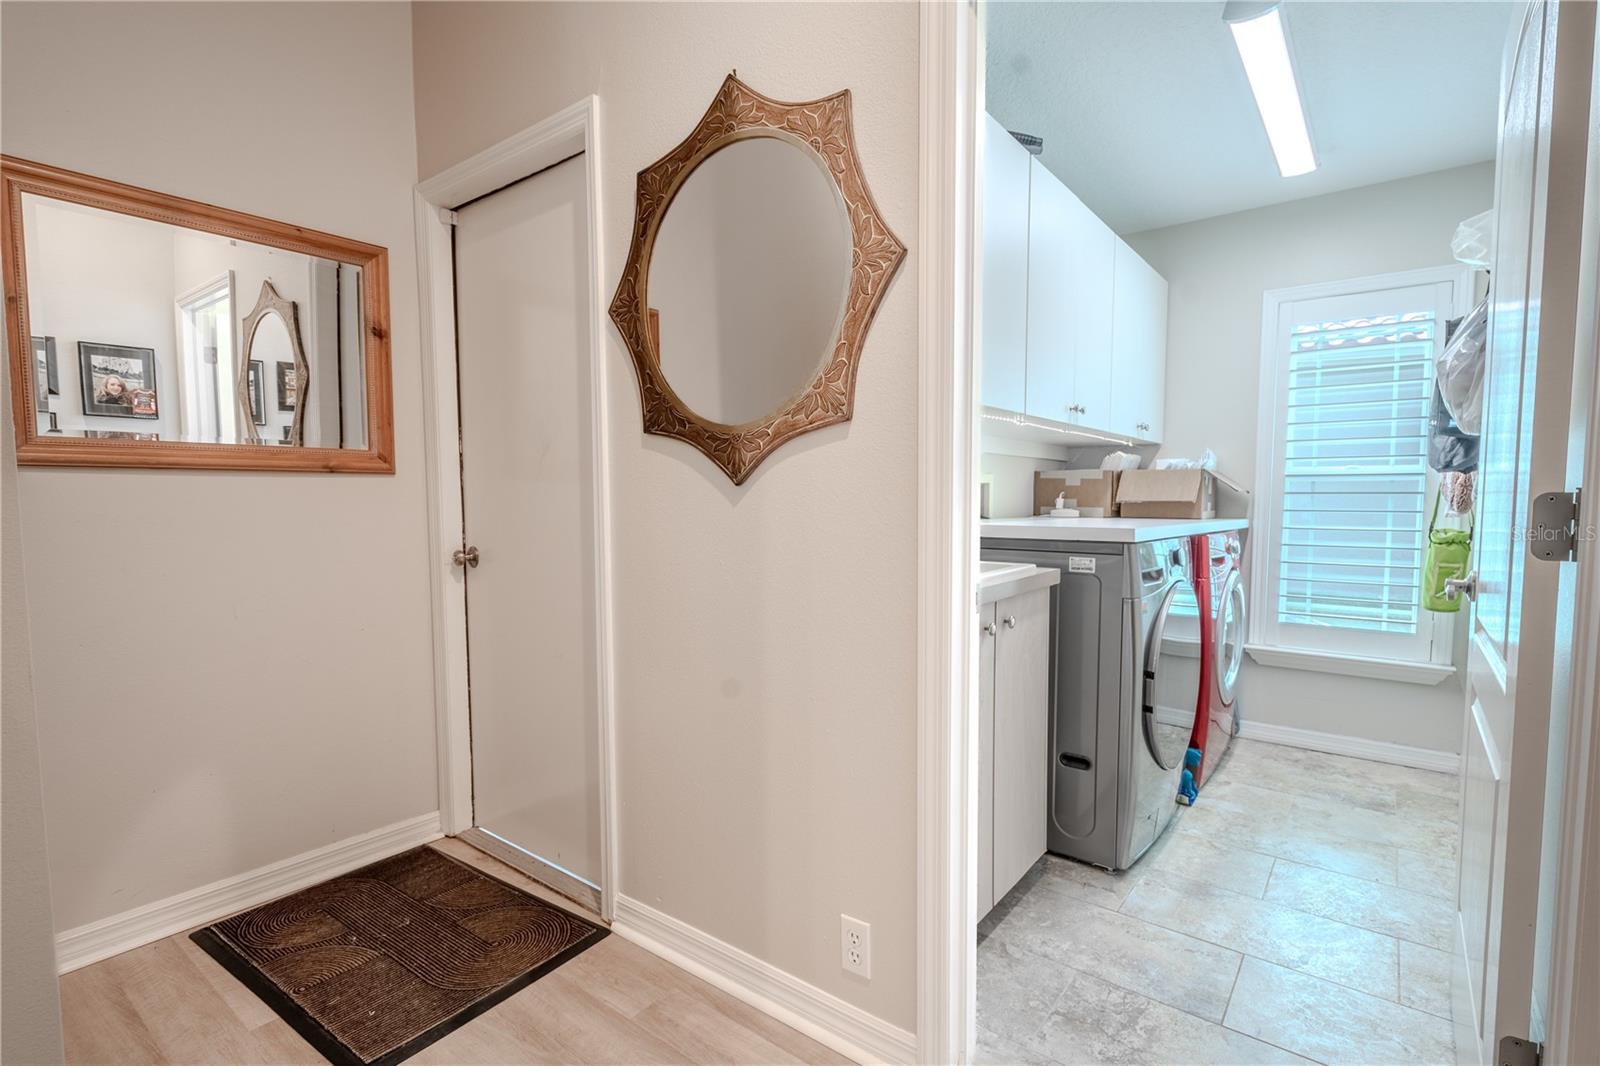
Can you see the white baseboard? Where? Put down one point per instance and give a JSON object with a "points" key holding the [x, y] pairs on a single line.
{"points": [[1446, 762], [824, 1017], [199, 906]]}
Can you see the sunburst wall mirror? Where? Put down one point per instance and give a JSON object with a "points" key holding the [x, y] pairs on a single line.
{"points": [[757, 263]]}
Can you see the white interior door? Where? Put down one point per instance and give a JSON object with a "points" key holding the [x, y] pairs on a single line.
{"points": [[527, 480], [1516, 647]]}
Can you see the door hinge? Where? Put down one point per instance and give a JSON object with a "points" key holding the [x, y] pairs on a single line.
{"points": [[447, 216], [1553, 526], [1515, 1051]]}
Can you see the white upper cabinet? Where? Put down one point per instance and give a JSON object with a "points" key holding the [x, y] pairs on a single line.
{"points": [[1070, 261], [1074, 322], [1092, 250], [1005, 267], [1052, 349], [1139, 348]]}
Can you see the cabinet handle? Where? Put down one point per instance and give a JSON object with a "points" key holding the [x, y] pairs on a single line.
{"points": [[1011, 621], [990, 628]]}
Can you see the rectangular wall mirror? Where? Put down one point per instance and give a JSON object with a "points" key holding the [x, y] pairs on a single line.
{"points": [[148, 330]]}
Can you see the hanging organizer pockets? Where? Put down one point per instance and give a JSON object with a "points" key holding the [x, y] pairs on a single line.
{"points": [[1448, 554]]}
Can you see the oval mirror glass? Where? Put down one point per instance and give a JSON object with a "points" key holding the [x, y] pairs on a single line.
{"points": [[748, 278]]}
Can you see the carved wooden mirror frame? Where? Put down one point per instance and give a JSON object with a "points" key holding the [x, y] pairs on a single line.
{"points": [[18, 176], [271, 302], [824, 128]]}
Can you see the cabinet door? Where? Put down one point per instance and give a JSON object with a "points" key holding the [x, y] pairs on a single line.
{"points": [[1139, 347], [987, 634], [1052, 208], [1005, 267], [1093, 267], [1021, 736]]}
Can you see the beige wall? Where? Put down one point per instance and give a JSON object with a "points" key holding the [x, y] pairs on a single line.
{"points": [[30, 1004], [194, 721], [1217, 270], [767, 633]]}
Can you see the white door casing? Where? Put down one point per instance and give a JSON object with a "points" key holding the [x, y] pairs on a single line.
{"points": [[1515, 641], [571, 131]]}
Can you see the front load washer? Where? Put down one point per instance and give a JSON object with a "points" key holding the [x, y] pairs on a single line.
{"points": [[1118, 733], [1222, 635]]}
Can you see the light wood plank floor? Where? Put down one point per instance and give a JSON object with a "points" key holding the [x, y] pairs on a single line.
{"points": [[168, 1002]]}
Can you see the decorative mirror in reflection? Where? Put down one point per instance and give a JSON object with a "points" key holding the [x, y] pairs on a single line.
{"points": [[159, 331], [757, 263]]}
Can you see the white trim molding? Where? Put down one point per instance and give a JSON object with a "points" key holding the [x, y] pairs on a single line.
{"points": [[1444, 762], [1327, 662], [951, 95], [570, 132], [134, 928], [822, 1016]]}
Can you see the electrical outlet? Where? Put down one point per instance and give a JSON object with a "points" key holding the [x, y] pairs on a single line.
{"points": [[855, 946]]}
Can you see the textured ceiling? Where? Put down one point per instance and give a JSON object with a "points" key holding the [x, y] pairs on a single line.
{"points": [[1146, 114]]}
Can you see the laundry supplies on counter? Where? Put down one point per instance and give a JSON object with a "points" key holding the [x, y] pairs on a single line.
{"points": [[1092, 493]]}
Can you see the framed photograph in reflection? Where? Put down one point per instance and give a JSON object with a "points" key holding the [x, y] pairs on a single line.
{"points": [[286, 387], [118, 381], [258, 397], [46, 375]]}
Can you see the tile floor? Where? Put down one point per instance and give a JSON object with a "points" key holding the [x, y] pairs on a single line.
{"points": [[1300, 912]]}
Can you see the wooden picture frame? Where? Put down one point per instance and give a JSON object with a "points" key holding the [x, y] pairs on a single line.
{"points": [[19, 176], [824, 128]]}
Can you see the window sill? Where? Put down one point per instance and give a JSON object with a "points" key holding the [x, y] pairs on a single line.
{"points": [[1351, 665]]}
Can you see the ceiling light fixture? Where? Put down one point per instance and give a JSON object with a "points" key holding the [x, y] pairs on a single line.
{"points": [[1262, 38]]}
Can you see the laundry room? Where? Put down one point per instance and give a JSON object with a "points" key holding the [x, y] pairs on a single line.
{"points": [[1233, 317]]}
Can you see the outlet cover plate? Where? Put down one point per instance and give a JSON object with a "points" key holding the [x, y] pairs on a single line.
{"points": [[855, 946]]}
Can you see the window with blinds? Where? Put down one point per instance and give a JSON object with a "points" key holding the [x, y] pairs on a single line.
{"points": [[1355, 477], [1343, 489]]}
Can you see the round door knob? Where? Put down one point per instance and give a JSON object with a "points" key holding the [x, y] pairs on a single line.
{"points": [[990, 628], [1011, 621], [1455, 586], [467, 556]]}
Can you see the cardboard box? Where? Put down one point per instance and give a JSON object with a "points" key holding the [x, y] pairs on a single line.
{"points": [[1167, 494], [1093, 491]]}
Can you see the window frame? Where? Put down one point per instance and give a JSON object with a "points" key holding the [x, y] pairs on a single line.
{"points": [[1433, 644]]}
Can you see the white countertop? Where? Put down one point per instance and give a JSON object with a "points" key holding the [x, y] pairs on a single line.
{"points": [[999, 581], [1109, 530]]}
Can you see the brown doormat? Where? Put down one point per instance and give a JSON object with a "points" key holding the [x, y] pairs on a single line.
{"points": [[374, 966]]}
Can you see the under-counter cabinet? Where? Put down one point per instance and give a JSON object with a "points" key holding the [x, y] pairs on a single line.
{"points": [[1013, 733]]}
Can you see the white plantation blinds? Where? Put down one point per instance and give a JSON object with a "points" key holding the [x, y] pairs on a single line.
{"points": [[1343, 489], [1355, 485]]}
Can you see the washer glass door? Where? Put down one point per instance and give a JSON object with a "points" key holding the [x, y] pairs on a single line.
{"points": [[1171, 680], [1230, 636]]}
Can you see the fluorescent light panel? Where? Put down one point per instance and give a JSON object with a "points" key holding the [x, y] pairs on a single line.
{"points": [[1264, 49]]}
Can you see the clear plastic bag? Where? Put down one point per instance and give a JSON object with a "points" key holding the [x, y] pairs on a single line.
{"points": [[1473, 242], [1459, 370], [1207, 461]]}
